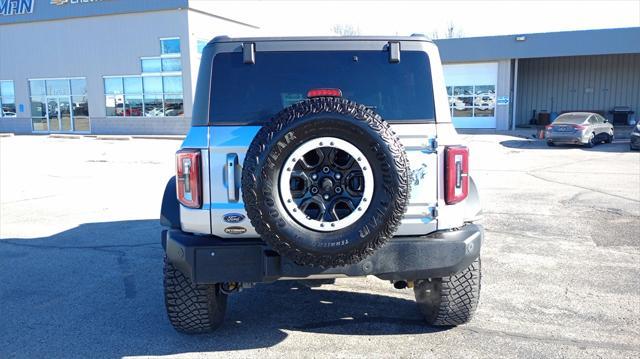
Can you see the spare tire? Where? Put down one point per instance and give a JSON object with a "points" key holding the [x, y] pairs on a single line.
{"points": [[325, 182]]}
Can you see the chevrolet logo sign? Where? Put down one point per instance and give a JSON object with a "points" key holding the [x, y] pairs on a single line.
{"points": [[59, 2]]}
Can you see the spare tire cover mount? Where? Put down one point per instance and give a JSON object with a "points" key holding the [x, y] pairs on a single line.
{"points": [[323, 193], [325, 184]]}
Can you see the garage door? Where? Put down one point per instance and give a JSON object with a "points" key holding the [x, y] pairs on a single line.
{"points": [[472, 94]]}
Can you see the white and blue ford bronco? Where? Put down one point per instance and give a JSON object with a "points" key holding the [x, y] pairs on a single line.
{"points": [[317, 158]]}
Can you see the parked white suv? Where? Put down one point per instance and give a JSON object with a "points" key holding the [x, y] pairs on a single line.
{"points": [[316, 158]]}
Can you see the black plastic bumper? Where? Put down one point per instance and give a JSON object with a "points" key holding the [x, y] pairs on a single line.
{"points": [[207, 259]]}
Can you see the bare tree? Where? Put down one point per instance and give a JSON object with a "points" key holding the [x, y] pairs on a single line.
{"points": [[345, 30], [451, 33]]}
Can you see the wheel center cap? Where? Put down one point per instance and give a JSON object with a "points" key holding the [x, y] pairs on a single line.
{"points": [[327, 184]]}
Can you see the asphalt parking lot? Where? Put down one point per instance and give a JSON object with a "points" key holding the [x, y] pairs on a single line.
{"points": [[81, 263]]}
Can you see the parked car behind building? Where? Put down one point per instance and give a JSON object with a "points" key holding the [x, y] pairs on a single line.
{"points": [[634, 143], [583, 128]]}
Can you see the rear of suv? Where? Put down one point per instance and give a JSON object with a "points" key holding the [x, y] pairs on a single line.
{"points": [[317, 158]]}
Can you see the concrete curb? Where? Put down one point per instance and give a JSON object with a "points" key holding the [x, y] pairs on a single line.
{"points": [[160, 137], [6, 134], [60, 135], [113, 138]]}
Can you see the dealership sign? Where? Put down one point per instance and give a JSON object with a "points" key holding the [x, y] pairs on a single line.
{"points": [[65, 2], [16, 7]]}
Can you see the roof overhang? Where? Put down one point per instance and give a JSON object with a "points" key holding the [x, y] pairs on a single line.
{"points": [[551, 44]]}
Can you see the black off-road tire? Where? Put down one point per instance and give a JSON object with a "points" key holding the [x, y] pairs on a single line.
{"points": [[302, 122], [191, 308], [550, 144], [450, 301]]}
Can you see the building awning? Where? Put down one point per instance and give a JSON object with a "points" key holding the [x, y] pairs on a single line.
{"points": [[551, 44]]}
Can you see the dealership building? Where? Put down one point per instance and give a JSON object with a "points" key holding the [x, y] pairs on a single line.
{"points": [[103, 67], [130, 67], [503, 82]]}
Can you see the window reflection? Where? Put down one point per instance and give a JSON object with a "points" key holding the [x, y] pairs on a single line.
{"points": [[171, 65], [133, 105], [172, 84], [40, 124], [61, 104], [149, 96], [153, 105], [115, 105], [151, 65], [57, 87], [152, 84], [200, 44], [472, 101], [132, 85], [80, 106], [38, 108], [37, 87], [463, 90], [173, 105], [7, 99], [113, 85], [78, 86], [170, 46], [8, 106], [7, 89]]}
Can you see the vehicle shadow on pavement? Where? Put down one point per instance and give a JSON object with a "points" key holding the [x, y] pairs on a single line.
{"points": [[96, 291], [616, 147]]}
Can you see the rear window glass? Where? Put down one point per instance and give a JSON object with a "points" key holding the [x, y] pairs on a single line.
{"points": [[571, 119], [251, 94]]}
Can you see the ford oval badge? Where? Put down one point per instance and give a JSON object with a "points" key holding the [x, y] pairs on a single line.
{"points": [[233, 217], [235, 230]]}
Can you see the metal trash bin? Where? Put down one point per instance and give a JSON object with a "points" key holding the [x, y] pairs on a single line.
{"points": [[621, 115]]}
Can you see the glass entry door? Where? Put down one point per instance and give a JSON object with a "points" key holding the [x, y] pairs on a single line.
{"points": [[59, 114], [59, 105]]}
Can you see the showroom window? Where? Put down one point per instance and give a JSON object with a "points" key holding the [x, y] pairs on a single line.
{"points": [[170, 46], [200, 44], [472, 100], [7, 99], [59, 105], [168, 61], [161, 64], [138, 96]]}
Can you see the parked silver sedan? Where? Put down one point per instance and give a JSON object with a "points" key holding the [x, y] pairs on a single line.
{"points": [[580, 128], [634, 143]]}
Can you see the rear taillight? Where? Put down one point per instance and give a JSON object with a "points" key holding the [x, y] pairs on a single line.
{"points": [[548, 127], [579, 127], [188, 178], [456, 173]]}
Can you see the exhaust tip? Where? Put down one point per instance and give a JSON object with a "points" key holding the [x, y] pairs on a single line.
{"points": [[400, 284]]}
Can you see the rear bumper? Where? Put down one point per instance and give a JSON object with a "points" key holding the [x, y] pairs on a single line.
{"points": [[208, 259], [574, 139]]}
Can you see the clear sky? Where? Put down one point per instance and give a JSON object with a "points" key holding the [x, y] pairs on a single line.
{"points": [[472, 18]]}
